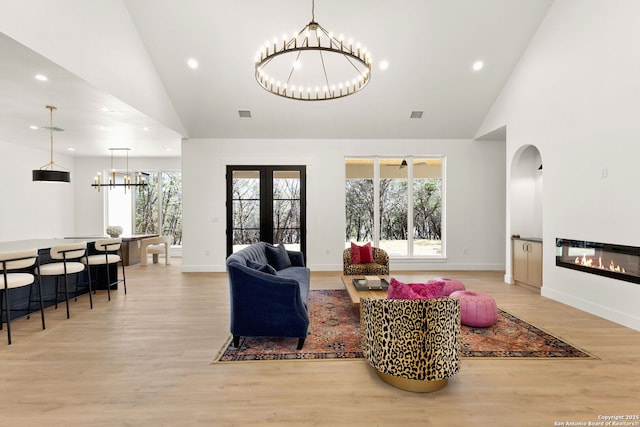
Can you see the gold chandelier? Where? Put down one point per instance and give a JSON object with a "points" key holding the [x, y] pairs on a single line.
{"points": [[126, 181], [313, 64]]}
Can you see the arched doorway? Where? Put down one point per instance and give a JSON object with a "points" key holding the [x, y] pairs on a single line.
{"points": [[526, 192], [525, 209]]}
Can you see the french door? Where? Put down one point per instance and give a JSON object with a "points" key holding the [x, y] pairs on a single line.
{"points": [[266, 203]]}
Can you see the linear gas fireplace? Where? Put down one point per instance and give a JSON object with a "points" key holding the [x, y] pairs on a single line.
{"points": [[604, 259]]}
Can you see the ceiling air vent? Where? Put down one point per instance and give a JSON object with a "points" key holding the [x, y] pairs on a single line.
{"points": [[244, 114], [416, 114], [55, 128]]}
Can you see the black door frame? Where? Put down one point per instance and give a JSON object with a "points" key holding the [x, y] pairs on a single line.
{"points": [[266, 201]]}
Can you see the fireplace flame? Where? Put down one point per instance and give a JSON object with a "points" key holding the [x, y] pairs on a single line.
{"points": [[589, 262]]}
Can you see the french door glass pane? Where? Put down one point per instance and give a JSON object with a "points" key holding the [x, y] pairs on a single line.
{"points": [[246, 208], [393, 207], [286, 208], [427, 207], [359, 201]]}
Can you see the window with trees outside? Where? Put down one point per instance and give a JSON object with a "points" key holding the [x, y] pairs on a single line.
{"points": [[158, 206], [397, 204]]}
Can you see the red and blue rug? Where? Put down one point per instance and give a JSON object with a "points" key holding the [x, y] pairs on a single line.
{"points": [[334, 334]]}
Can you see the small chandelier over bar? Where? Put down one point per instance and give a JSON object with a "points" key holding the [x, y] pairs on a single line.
{"points": [[313, 64], [126, 178], [48, 172]]}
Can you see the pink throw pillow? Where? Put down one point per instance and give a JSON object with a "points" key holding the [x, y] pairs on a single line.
{"points": [[399, 290], [355, 253], [361, 254], [428, 290], [450, 285]]}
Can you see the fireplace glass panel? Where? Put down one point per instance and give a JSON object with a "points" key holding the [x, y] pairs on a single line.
{"points": [[604, 259]]}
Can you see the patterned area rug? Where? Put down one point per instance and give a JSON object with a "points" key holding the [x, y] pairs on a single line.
{"points": [[334, 333]]}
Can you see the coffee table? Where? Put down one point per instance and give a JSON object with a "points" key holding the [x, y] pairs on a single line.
{"points": [[355, 294]]}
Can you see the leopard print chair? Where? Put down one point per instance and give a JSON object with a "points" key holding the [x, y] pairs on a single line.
{"points": [[413, 344], [378, 268]]}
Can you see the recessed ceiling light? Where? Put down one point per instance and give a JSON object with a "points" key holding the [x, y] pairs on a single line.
{"points": [[477, 66], [41, 77], [145, 129], [34, 127], [383, 65], [169, 149], [192, 63], [71, 149]]}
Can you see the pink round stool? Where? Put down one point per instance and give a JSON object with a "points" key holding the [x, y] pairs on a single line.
{"points": [[476, 309]]}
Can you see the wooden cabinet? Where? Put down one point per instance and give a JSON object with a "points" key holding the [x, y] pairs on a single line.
{"points": [[527, 262]]}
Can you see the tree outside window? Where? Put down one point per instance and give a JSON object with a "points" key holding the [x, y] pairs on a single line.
{"points": [[158, 206], [408, 194]]}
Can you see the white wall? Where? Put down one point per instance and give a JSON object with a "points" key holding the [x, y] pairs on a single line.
{"points": [[475, 186], [576, 96], [33, 210]]}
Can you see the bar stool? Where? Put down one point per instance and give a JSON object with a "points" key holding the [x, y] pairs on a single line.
{"points": [[110, 249], [71, 254], [18, 260]]}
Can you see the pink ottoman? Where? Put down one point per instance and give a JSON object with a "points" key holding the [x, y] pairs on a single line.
{"points": [[476, 309], [450, 285]]}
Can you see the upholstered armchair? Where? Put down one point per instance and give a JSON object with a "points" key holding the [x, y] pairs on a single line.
{"points": [[413, 344], [380, 266]]}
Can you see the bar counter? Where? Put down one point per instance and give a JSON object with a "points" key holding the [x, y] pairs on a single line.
{"points": [[130, 246], [20, 296], [40, 244]]}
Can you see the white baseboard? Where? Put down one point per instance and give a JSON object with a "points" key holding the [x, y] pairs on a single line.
{"points": [[590, 307]]}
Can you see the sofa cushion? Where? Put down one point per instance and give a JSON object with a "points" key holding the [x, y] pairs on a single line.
{"points": [[265, 268], [400, 290], [278, 256], [361, 254], [300, 274]]}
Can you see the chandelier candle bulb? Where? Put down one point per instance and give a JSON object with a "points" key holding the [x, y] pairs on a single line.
{"points": [[334, 59]]}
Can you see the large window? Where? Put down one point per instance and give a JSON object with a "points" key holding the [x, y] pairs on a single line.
{"points": [[158, 206], [153, 209], [396, 203]]}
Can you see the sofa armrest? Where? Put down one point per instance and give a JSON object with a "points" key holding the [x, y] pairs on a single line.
{"points": [[265, 305]]}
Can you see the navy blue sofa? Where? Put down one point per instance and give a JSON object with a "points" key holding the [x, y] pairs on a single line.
{"points": [[269, 289]]}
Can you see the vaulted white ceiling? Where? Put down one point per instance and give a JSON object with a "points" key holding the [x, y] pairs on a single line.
{"points": [[430, 46]]}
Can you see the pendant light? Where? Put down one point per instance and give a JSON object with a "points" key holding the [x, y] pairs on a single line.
{"points": [[48, 172]]}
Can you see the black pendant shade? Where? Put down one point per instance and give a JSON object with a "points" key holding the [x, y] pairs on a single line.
{"points": [[47, 175]]}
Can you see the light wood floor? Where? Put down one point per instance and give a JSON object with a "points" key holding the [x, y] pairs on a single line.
{"points": [[144, 360]]}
